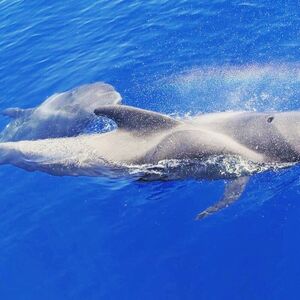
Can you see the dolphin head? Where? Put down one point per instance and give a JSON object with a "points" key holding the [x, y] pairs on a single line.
{"points": [[93, 95], [62, 114]]}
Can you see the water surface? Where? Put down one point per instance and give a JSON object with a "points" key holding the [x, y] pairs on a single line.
{"points": [[98, 238]]}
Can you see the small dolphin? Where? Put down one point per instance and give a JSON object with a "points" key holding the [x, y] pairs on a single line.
{"points": [[61, 115], [147, 138]]}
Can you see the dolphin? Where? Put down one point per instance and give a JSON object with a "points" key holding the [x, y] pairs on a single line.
{"points": [[62, 114], [147, 138]]}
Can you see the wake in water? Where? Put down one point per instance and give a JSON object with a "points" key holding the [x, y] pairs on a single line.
{"points": [[220, 166]]}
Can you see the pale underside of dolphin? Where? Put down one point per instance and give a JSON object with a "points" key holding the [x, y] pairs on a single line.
{"points": [[146, 140]]}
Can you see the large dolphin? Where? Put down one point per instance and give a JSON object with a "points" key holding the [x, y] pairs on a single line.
{"points": [[144, 138], [62, 114]]}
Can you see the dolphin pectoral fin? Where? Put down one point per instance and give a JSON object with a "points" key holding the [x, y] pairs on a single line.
{"points": [[139, 120], [233, 191], [15, 112]]}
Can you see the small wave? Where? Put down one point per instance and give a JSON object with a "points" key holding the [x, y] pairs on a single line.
{"points": [[98, 124], [214, 167]]}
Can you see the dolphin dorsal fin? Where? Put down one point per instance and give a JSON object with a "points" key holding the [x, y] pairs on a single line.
{"points": [[139, 120], [16, 112]]}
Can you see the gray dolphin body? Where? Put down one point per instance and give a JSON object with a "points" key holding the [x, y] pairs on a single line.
{"points": [[62, 114], [146, 138]]}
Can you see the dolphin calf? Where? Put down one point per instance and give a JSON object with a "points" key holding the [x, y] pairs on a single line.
{"points": [[148, 139], [62, 114]]}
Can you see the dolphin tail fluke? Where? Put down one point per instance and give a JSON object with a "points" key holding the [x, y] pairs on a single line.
{"points": [[232, 193]]}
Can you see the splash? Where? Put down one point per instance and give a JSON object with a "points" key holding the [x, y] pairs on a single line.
{"points": [[213, 167], [98, 124], [269, 87]]}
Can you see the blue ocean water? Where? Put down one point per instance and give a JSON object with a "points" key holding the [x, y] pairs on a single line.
{"points": [[98, 238]]}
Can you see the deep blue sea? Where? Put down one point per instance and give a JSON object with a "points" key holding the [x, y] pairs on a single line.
{"points": [[100, 238]]}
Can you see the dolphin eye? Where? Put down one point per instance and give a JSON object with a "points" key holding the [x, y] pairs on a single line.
{"points": [[270, 119]]}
